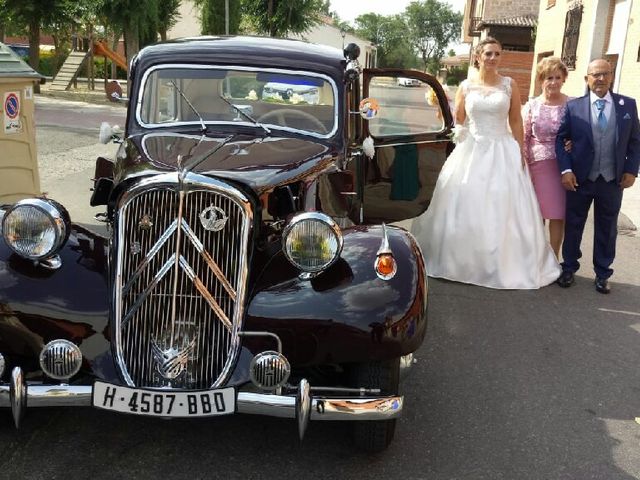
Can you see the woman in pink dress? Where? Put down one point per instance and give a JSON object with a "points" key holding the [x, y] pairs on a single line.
{"points": [[542, 116]]}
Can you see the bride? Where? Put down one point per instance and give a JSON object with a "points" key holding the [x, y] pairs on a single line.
{"points": [[483, 225]]}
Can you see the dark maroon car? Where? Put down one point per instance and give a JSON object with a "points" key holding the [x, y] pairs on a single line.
{"points": [[250, 264]]}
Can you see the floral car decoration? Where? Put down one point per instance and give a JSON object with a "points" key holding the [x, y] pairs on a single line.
{"points": [[249, 263]]}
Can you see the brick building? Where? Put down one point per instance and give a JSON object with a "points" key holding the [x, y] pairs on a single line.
{"points": [[580, 30]]}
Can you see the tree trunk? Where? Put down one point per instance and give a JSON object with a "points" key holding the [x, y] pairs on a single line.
{"points": [[34, 48], [163, 33], [270, 18], [1, 32], [131, 44], [114, 46]]}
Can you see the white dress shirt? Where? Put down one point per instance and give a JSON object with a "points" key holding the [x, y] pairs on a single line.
{"points": [[608, 107]]}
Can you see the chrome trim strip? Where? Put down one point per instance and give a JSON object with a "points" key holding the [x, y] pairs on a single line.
{"points": [[142, 297], [303, 407], [152, 252], [205, 293], [17, 395], [190, 66], [347, 408], [207, 258]]}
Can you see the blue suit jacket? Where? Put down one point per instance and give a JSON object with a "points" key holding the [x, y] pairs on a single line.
{"points": [[576, 126]]}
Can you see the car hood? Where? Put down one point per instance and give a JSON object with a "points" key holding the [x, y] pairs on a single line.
{"points": [[261, 163]]}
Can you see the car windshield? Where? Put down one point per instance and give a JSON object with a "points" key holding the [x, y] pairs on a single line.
{"points": [[299, 102]]}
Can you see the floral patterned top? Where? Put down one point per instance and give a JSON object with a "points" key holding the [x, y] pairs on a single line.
{"points": [[541, 124]]}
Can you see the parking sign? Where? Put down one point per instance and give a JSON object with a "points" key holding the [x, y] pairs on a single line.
{"points": [[11, 107]]}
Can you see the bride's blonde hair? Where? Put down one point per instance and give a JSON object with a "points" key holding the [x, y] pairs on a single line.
{"points": [[478, 50]]}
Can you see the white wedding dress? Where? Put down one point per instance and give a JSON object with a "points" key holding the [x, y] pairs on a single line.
{"points": [[483, 225]]}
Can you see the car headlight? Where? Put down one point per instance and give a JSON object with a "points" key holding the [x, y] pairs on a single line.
{"points": [[312, 241], [35, 228]]}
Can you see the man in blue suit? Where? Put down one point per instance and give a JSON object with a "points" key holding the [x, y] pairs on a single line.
{"points": [[603, 160]]}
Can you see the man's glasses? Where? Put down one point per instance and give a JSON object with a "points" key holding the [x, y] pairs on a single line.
{"points": [[599, 75]]}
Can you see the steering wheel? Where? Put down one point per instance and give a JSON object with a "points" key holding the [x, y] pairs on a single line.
{"points": [[289, 117]]}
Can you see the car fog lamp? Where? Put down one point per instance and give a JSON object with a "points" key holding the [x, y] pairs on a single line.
{"points": [[60, 359], [269, 370], [312, 241], [35, 228]]}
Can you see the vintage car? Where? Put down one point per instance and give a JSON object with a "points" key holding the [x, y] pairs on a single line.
{"points": [[250, 263]]}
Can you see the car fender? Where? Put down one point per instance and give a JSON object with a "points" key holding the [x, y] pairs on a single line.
{"points": [[346, 313], [38, 305]]}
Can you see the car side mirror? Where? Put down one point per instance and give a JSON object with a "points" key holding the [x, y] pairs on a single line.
{"points": [[110, 134]]}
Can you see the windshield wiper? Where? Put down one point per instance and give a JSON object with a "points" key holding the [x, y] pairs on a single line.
{"points": [[246, 115], [204, 127]]}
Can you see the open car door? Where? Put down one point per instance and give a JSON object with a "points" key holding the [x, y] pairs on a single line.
{"points": [[409, 117]]}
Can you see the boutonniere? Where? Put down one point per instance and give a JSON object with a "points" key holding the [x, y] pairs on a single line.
{"points": [[621, 101]]}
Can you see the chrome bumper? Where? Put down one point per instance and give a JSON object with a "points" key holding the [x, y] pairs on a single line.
{"points": [[18, 395]]}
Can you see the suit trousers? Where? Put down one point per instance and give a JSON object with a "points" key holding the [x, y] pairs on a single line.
{"points": [[607, 199]]}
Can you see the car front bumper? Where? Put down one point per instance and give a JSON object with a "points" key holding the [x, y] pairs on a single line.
{"points": [[303, 406]]}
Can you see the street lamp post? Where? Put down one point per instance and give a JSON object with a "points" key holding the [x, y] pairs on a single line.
{"points": [[226, 17]]}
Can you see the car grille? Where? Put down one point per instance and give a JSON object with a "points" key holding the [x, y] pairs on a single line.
{"points": [[180, 281]]}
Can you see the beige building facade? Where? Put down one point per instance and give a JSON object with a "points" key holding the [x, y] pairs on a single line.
{"points": [[579, 31]]}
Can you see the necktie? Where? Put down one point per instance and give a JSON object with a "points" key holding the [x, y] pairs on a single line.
{"points": [[602, 120]]}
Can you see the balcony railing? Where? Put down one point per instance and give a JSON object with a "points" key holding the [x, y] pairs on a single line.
{"points": [[473, 26]]}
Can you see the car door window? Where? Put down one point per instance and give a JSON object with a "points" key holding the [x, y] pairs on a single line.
{"points": [[407, 107]]}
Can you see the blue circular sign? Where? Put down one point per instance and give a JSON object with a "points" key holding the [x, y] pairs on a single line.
{"points": [[12, 105]]}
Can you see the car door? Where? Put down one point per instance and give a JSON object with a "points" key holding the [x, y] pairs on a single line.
{"points": [[410, 136]]}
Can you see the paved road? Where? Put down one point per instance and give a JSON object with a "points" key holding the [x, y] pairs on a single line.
{"points": [[509, 385]]}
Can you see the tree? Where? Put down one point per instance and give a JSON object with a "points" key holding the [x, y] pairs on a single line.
{"points": [[388, 33], [277, 18], [168, 15], [35, 15], [136, 19], [432, 25], [212, 16]]}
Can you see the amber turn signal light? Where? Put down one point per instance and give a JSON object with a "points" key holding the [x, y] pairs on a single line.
{"points": [[385, 266]]}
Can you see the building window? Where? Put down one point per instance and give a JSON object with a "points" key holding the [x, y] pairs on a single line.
{"points": [[571, 33]]}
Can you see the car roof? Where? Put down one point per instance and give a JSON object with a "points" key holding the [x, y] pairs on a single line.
{"points": [[249, 51]]}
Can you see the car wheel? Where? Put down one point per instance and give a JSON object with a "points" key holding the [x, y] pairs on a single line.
{"points": [[375, 436]]}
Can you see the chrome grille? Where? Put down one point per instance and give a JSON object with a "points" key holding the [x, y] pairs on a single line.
{"points": [[180, 284]]}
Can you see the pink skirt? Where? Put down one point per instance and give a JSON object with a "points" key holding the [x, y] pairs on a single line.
{"points": [[545, 176]]}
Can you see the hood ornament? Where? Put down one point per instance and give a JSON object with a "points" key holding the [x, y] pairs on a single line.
{"points": [[171, 363], [213, 218]]}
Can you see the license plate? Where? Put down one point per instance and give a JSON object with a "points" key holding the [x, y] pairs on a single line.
{"points": [[201, 403]]}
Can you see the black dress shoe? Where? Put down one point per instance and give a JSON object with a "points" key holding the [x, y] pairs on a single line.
{"points": [[602, 285], [565, 280]]}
